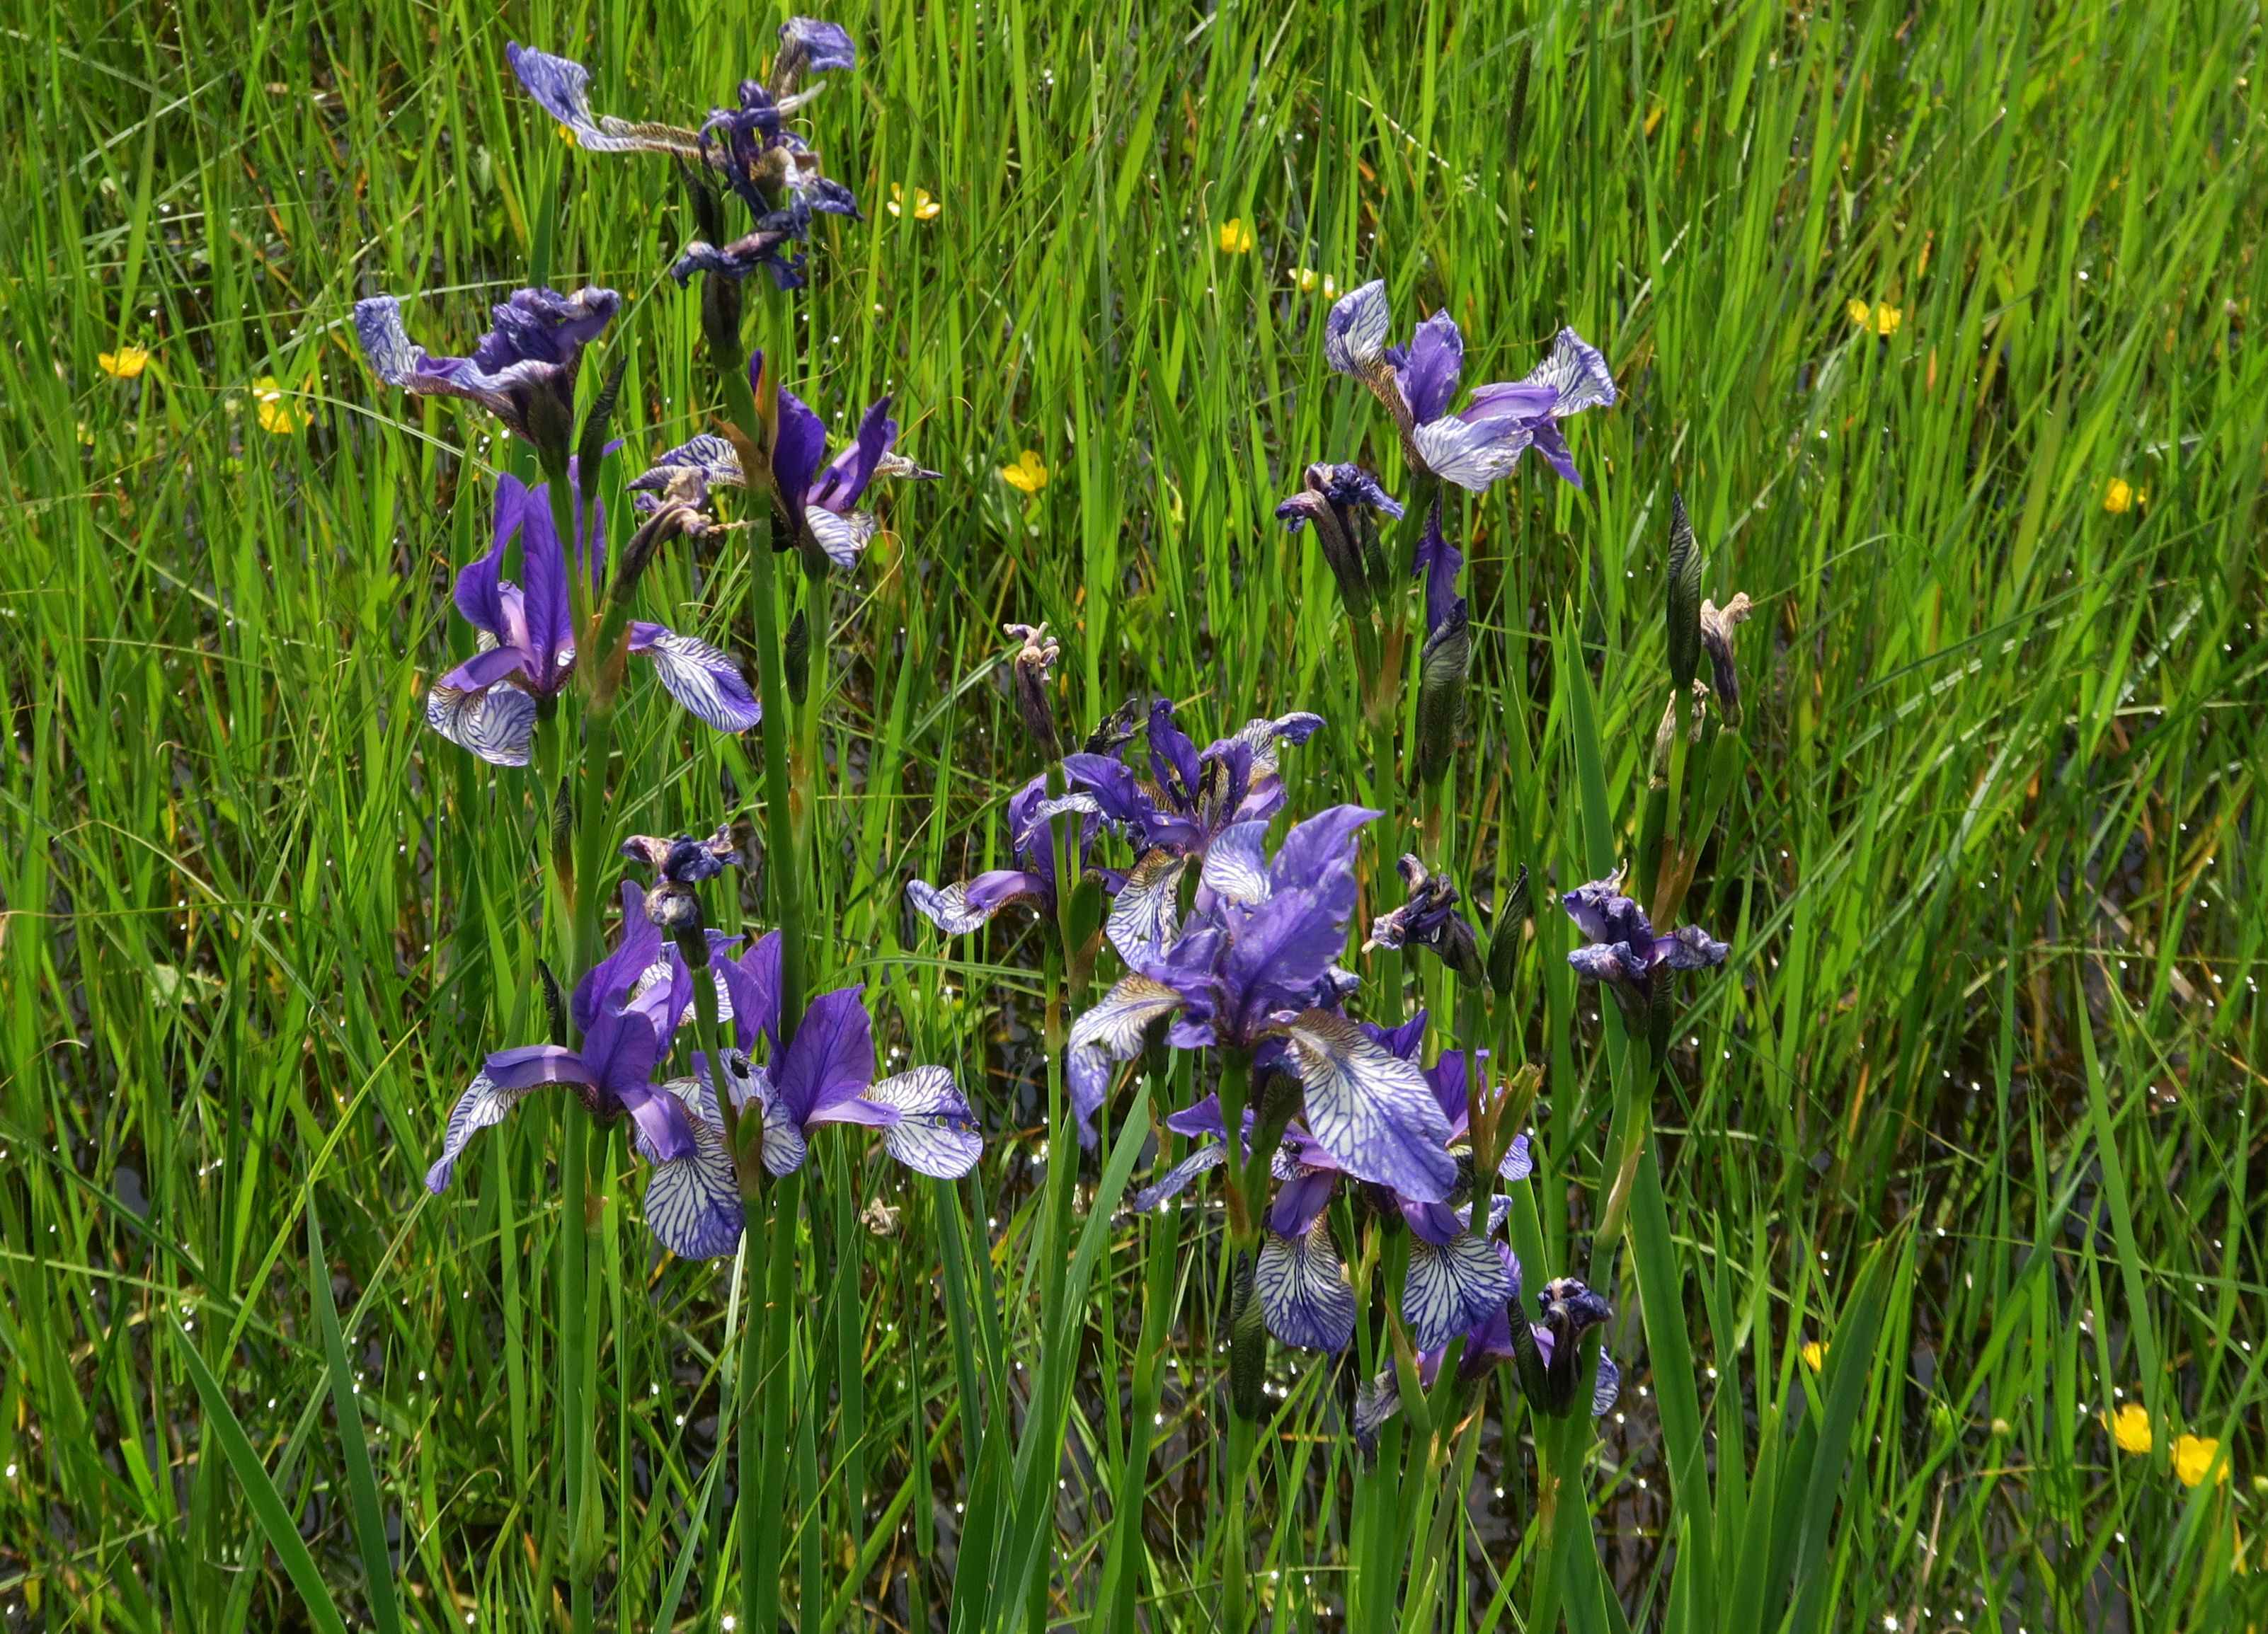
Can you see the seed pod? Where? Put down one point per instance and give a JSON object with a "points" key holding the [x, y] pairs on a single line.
{"points": [[590, 446], [1442, 671]]}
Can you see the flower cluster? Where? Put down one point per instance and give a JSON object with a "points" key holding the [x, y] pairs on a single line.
{"points": [[749, 147]]}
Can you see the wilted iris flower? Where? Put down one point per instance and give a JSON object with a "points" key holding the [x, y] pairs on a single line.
{"points": [[488, 703], [626, 1026], [1478, 443], [1624, 954], [825, 1075], [679, 865], [1430, 920], [963, 906], [522, 370], [1716, 626], [1032, 665], [767, 164], [1196, 797], [1335, 498], [1255, 971]]}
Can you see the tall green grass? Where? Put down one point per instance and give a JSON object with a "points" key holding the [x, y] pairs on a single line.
{"points": [[1970, 1109]]}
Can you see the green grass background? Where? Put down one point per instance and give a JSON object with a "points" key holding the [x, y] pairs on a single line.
{"points": [[1992, 875]]}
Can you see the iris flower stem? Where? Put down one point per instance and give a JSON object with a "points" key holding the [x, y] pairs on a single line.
{"points": [[764, 1528], [1236, 1614]]}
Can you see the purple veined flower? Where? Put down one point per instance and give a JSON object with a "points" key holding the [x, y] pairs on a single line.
{"points": [[562, 88], [522, 370], [826, 497], [1625, 955], [1255, 970], [1480, 443], [966, 905], [1196, 796], [1337, 500], [1429, 919], [626, 1026], [825, 1075], [1546, 1353], [488, 704]]}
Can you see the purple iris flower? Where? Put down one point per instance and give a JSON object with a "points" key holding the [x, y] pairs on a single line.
{"points": [[522, 370], [1624, 954], [1255, 970], [1335, 498], [1476, 445], [626, 1024], [1455, 1278], [488, 703], [1196, 798], [772, 169], [967, 904], [827, 496], [825, 1075]]}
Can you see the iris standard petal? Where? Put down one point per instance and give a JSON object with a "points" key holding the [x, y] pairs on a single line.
{"points": [[831, 1058]]}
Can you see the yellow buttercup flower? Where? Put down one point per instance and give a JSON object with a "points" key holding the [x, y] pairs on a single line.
{"points": [[276, 416], [1309, 280], [2197, 1455], [567, 134], [1027, 474], [1883, 320], [1236, 237], [924, 207], [2130, 1427], [126, 363], [2120, 495], [1814, 1354]]}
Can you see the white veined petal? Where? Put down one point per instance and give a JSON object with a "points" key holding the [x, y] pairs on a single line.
{"points": [[1115, 1024], [946, 907], [1577, 371], [1471, 456], [1374, 1404], [1370, 1109], [842, 538], [1606, 1387], [693, 1205], [1452, 1290], [497, 724], [706, 681], [1261, 736], [1236, 864], [934, 1134], [1354, 333], [1176, 1179], [482, 1106], [1143, 912], [1303, 1290]]}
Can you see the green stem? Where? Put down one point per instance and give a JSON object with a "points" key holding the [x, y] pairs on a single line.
{"points": [[1235, 1617], [763, 1529]]}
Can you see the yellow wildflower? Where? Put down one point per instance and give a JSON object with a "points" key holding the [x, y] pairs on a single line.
{"points": [[925, 207], [1309, 279], [282, 419], [567, 134], [1883, 320], [1236, 237], [2195, 1456], [1814, 1354], [2120, 495], [2130, 1427], [1028, 474], [126, 363]]}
